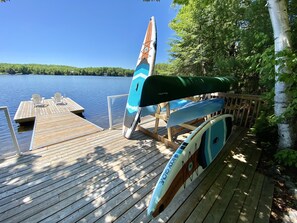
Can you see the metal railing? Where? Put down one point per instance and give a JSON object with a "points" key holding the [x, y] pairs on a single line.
{"points": [[12, 133], [110, 100]]}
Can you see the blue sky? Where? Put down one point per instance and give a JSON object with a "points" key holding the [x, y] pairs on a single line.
{"points": [[81, 33]]}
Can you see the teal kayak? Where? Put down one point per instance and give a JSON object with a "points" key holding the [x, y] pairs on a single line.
{"points": [[195, 110]]}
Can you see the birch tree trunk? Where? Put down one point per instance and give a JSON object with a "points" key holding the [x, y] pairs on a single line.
{"points": [[281, 29]]}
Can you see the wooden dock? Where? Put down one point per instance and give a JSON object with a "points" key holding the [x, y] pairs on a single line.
{"points": [[56, 128], [103, 177], [26, 111], [54, 123]]}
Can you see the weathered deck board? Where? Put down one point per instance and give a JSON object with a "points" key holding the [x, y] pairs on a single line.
{"points": [[26, 111], [69, 184], [104, 177], [55, 128], [265, 201], [55, 167], [106, 162]]}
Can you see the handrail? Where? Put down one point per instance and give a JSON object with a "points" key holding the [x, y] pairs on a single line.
{"points": [[109, 102], [12, 133]]}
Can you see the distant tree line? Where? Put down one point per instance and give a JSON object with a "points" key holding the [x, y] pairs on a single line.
{"points": [[6, 68]]}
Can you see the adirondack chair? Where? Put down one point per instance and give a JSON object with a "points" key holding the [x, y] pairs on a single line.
{"points": [[58, 99], [37, 100]]}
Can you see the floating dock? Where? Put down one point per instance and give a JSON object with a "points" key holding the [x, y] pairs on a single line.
{"points": [[26, 111], [54, 123]]}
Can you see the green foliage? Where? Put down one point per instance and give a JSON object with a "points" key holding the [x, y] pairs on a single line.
{"points": [[292, 11], [288, 66], [163, 69], [236, 38], [6, 68], [224, 38], [181, 2], [266, 70], [202, 37], [265, 128], [287, 157]]}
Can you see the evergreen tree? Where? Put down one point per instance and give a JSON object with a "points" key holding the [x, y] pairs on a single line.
{"points": [[222, 38], [236, 38]]}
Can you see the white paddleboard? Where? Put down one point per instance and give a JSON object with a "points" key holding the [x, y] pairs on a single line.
{"points": [[190, 159]]}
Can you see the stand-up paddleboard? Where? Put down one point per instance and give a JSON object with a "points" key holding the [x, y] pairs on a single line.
{"points": [[190, 159], [195, 110], [175, 104], [157, 88], [144, 68]]}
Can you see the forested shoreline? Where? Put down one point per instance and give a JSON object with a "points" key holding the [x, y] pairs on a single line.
{"points": [[7, 68]]}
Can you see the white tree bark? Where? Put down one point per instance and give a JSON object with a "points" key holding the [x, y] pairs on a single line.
{"points": [[281, 29]]}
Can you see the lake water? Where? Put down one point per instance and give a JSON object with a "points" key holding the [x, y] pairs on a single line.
{"points": [[89, 91]]}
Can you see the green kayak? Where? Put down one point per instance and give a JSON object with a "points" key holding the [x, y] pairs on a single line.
{"points": [[157, 89]]}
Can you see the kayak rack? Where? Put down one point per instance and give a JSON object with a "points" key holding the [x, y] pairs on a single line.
{"points": [[169, 136], [245, 109]]}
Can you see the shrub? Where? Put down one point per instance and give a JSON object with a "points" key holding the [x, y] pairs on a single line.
{"points": [[265, 129], [287, 157]]}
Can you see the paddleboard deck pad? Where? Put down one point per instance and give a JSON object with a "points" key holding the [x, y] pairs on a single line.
{"points": [[189, 160], [144, 68]]}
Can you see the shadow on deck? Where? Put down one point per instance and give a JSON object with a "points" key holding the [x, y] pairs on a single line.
{"points": [[104, 177]]}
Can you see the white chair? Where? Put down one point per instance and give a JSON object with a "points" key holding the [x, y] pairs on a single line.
{"points": [[58, 99], [37, 100]]}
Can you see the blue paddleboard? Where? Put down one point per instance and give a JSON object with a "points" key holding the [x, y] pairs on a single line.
{"points": [[144, 68]]}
